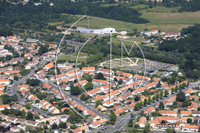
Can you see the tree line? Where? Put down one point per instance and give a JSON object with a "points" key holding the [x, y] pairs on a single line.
{"points": [[188, 47]]}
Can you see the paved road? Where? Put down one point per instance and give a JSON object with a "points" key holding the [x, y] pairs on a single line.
{"points": [[123, 120], [13, 90], [77, 100]]}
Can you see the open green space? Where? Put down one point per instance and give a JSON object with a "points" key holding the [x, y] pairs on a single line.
{"points": [[160, 18], [82, 57]]}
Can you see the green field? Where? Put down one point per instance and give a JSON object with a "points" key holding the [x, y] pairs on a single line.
{"points": [[128, 41], [160, 18], [82, 57]]}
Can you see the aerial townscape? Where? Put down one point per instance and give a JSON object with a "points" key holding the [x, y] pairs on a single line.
{"points": [[108, 66]]}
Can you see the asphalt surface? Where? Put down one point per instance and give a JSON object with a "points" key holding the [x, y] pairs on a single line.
{"points": [[80, 102], [13, 90], [122, 121]]}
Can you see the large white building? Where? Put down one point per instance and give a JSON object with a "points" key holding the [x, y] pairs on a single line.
{"points": [[105, 31]]}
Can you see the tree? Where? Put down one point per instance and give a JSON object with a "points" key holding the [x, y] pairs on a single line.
{"points": [[113, 117], [146, 129], [154, 98], [29, 116], [28, 128], [54, 126], [137, 98], [6, 99], [75, 90], [149, 99], [47, 122], [37, 101], [189, 120], [145, 102], [62, 125], [161, 106], [89, 86], [83, 97], [14, 98], [173, 90], [120, 81], [176, 88], [73, 126], [157, 96], [161, 94], [23, 114], [166, 93], [32, 82], [198, 109], [100, 76], [98, 102], [137, 106], [130, 123], [169, 130], [181, 96], [15, 77], [158, 85], [28, 106]]}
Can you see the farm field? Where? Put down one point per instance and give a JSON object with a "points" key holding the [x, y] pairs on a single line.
{"points": [[160, 18]]}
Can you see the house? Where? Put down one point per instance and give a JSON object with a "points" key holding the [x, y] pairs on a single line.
{"points": [[19, 107], [81, 83], [122, 36], [185, 113], [98, 123], [169, 119], [99, 82], [72, 78], [108, 103], [119, 111], [102, 108], [90, 112], [32, 98], [168, 113], [5, 81], [15, 129], [138, 91], [106, 71], [80, 129], [61, 76], [125, 96], [146, 41], [54, 110], [191, 128], [55, 91], [196, 113], [94, 92], [73, 72], [193, 107], [137, 76], [2, 107], [79, 107], [187, 92], [149, 110], [88, 69], [153, 84], [125, 88], [142, 121], [47, 86]]}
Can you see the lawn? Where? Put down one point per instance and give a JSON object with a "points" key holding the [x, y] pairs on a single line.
{"points": [[160, 18], [128, 41], [82, 57]]}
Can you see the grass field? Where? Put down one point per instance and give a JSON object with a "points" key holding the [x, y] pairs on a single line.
{"points": [[160, 18], [82, 57], [128, 41]]}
